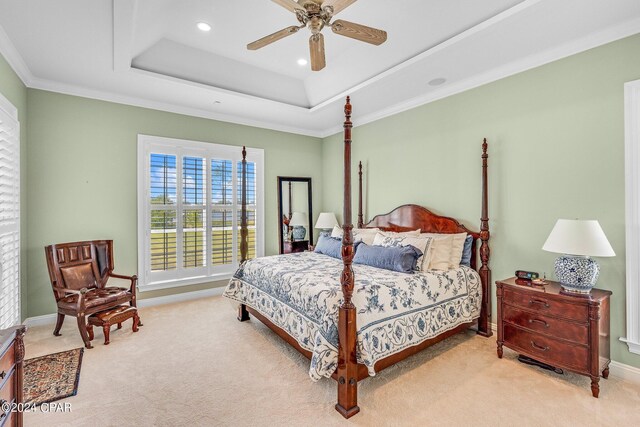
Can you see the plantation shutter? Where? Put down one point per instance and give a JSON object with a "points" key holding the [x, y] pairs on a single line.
{"points": [[9, 220], [189, 204]]}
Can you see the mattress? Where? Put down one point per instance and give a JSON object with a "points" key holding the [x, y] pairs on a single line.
{"points": [[301, 294]]}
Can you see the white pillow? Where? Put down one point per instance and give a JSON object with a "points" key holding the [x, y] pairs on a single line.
{"points": [[413, 233], [456, 249], [365, 235], [422, 243], [447, 249]]}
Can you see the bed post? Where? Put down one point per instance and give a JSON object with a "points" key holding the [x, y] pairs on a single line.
{"points": [[347, 371], [484, 322], [243, 314], [360, 218]]}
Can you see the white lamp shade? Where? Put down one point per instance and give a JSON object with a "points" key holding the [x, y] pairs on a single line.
{"points": [[578, 237], [326, 221], [299, 218]]}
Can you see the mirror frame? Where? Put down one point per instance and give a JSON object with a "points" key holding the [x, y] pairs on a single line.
{"points": [[281, 180]]}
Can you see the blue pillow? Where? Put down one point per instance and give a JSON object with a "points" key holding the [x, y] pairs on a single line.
{"points": [[327, 245], [466, 252], [395, 258]]}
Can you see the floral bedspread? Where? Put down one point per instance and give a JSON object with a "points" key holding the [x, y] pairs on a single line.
{"points": [[301, 294]]}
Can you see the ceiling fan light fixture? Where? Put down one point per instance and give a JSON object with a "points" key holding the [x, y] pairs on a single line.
{"points": [[203, 26], [315, 15], [302, 62]]}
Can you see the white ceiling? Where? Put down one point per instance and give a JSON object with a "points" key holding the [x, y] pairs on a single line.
{"points": [[150, 53]]}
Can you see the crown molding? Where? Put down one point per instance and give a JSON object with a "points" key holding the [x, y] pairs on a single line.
{"points": [[83, 92], [14, 59], [581, 45]]}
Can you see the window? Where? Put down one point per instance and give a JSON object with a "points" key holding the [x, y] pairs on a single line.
{"points": [[632, 221], [9, 215], [189, 208]]}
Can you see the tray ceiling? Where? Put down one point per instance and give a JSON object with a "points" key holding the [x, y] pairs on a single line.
{"points": [[150, 53]]}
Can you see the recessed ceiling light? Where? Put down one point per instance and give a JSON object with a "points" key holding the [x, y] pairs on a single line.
{"points": [[437, 82], [203, 26], [302, 62]]}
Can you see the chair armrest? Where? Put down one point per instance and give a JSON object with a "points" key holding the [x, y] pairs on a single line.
{"points": [[134, 280]]}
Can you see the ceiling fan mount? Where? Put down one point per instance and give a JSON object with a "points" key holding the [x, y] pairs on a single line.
{"points": [[316, 15]]}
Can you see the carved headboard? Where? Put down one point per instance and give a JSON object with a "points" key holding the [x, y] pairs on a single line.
{"points": [[412, 217]]}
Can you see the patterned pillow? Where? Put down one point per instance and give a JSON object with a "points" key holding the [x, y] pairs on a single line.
{"points": [[422, 243], [365, 235], [403, 259]]}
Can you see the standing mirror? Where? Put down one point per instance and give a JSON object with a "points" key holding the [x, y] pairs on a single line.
{"points": [[295, 214]]}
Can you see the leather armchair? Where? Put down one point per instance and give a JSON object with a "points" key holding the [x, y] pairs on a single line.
{"points": [[79, 274]]}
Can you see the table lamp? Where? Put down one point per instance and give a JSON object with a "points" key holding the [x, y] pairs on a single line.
{"points": [[578, 240], [299, 221], [326, 221]]}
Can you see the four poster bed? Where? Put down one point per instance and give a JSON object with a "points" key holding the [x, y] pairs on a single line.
{"points": [[352, 321]]}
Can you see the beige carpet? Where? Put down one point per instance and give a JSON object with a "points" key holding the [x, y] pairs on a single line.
{"points": [[193, 364]]}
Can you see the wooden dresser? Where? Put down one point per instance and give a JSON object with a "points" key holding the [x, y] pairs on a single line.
{"points": [[564, 330], [11, 375]]}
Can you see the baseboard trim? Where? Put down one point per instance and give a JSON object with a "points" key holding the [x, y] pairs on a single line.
{"points": [[185, 296], [616, 369], [50, 319]]}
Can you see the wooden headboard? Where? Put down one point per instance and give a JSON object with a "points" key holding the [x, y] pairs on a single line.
{"points": [[413, 217]]}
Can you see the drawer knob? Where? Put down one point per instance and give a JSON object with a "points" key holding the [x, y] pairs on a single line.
{"points": [[538, 347], [539, 301], [542, 322]]}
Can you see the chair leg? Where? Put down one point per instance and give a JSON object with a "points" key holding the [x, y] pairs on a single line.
{"points": [[136, 321], [119, 325], [59, 322], [82, 327], [133, 304], [90, 332], [106, 329]]}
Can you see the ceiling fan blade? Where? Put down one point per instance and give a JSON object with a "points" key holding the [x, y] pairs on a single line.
{"points": [[272, 38], [290, 5], [316, 46], [359, 32], [338, 5]]}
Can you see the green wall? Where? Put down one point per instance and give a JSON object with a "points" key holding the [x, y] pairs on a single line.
{"points": [[556, 147], [12, 88], [82, 172]]}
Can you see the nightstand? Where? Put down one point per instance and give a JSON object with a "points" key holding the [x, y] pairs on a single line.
{"points": [[561, 329], [296, 246]]}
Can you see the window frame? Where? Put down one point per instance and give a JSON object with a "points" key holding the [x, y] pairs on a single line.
{"points": [[632, 213], [148, 144]]}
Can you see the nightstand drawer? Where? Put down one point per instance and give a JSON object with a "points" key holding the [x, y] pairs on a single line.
{"points": [[545, 305], [578, 333], [546, 349]]}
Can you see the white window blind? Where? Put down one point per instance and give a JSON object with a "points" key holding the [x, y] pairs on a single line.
{"points": [[9, 216], [189, 210]]}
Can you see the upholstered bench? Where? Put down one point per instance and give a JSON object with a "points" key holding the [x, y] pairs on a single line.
{"points": [[110, 317]]}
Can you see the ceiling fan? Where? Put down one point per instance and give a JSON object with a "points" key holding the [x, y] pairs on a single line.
{"points": [[317, 14]]}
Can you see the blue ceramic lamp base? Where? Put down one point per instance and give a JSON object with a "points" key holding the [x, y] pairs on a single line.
{"points": [[577, 273]]}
